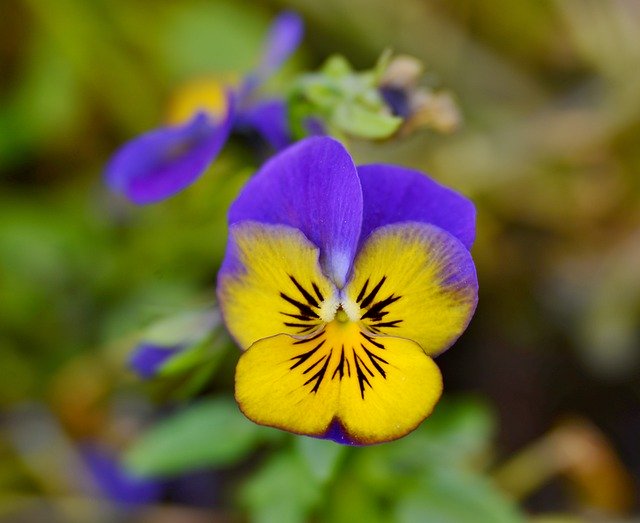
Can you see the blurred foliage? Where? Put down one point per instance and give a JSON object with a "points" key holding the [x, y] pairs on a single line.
{"points": [[549, 151]]}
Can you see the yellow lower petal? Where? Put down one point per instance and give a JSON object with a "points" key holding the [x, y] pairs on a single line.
{"points": [[384, 408], [374, 388]]}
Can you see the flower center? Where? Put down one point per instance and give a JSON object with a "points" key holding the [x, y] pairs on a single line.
{"points": [[312, 309], [339, 334], [341, 315]]}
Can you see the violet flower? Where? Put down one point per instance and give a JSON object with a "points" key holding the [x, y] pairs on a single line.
{"points": [[116, 482], [339, 284], [164, 161]]}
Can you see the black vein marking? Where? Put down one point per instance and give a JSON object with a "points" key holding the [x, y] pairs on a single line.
{"points": [[372, 341], [376, 360], [371, 296], [317, 291], [306, 355], [296, 316], [362, 377], [393, 323], [304, 309], [306, 314], [341, 365], [376, 311], [310, 299], [319, 376], [314, 365], [362, 291], [302, 325]]}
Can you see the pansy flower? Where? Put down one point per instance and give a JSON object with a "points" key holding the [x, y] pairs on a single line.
{"points": [[164, 161], [339, 284]]}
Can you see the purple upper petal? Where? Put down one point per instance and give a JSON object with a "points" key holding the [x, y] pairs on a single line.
{"points": [[314, 187], [162, 162], [396, 194], [283, 38], [269, 119]]}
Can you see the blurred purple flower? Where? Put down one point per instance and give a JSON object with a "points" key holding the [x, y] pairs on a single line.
{"points": [[147, 358], [115, 481], [164, 161]]}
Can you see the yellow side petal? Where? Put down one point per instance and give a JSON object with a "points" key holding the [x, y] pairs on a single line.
{"points": [[341, 383], [278, 288], [414, 281]]}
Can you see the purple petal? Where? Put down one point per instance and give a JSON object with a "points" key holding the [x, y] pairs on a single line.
{"points": [[283, 38], [394, 194], [162, 162], [312, 186], [116, 482], [147, 358], [269, 119]]}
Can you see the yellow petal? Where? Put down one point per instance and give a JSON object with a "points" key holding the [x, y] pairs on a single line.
{"points": [[278, 287], [414, 281], [201, 94], [340, 381]]}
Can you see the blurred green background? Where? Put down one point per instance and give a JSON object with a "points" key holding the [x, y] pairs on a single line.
{"points": [[541, 414]]}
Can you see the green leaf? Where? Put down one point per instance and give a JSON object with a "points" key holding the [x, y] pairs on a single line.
{"points": [[281, 491], [185, 327], [456, 436], [461, 428], [197, 377], [453, 496], [205, 352], [322, 456], [351, 500], [211, 433]]}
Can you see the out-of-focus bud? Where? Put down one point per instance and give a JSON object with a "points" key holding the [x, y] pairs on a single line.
{"points": [[419, 106], [342, 102]]}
